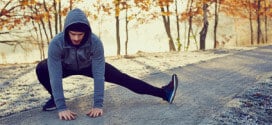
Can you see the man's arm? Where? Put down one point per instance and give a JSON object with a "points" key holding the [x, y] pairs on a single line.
{"points": [[55, 74], [98, 69]]}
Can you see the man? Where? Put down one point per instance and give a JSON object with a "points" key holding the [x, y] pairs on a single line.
{"points": [[77, 51]]}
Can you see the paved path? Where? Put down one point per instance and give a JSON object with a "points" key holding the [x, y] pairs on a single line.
{"points": [[204, 89]]}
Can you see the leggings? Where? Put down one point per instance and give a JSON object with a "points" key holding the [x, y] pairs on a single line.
{"points": [[112, 75]]}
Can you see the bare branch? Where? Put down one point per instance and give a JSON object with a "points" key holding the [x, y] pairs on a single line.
{"points": [[4, 32]]}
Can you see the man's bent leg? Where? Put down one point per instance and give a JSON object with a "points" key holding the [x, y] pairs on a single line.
{"points": [[43, 75]]}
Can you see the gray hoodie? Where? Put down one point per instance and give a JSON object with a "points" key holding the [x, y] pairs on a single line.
{"points": [[61, 53]]}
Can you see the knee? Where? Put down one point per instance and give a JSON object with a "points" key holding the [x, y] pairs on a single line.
{"points": [[41, 66]]}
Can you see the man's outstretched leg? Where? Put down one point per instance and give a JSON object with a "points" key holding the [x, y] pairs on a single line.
{"points": [[167, 92]]}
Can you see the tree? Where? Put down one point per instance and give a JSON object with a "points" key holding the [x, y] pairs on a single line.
{"points": [[190, 19], [266, 9], [17, 14], [194, 16], [249, 9], [204, 30], [117, 24], [178, 27], [259, 32], [236, 10], [216, 19], [138, 11], [11, 22], [164, 6], [48, 19]]}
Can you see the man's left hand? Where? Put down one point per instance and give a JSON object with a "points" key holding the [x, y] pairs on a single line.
{"points": [[95, 112]]}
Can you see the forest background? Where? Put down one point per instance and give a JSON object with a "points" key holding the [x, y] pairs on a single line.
{"points": [[128, 26]]}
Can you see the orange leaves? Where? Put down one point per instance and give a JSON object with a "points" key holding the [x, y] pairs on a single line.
{"points": [[24, 2], [194, 10], [167, 13], [32, 1], [162, 3], [117, 7], [106, 8], [116, 2], [46, 15], [16, 13], [143, 4], [64, 11], [242, 8], [17, 21], [9, 27], [131, 17], [27, 2], [27, 19], [38, 17], [185, 15], [88, 13], [4, 12], [117, 12]]}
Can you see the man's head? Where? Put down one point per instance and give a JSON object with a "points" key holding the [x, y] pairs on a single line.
{"points": [[76, 37], [77, 32], [77, 28]]}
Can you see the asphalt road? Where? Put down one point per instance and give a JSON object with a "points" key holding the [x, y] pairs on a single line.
{"points": [[204, 88]]}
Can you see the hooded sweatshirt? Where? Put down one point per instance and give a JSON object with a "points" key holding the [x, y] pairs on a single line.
{"points": [[62, 54]]}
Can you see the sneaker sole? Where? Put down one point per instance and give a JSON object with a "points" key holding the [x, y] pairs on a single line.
{"points": [[50, 109], [175, 80]]}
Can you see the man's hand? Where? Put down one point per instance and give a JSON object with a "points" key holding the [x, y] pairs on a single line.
{"points": [[95, 112], [67, 115]]}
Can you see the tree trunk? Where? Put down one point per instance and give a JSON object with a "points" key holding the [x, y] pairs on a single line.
{"points": [[38, 41], [56, 16], [126, 42], [177, 18], [203, 32], [43, 26], [265, 22], [42, 43], [215, 23], [118, 35], [48, 19], [190, 24], [117, 12], [236, 30], [60, 21], [258, 22], [185, 28], [250, 23], [71, 4], [193, 34], [45, 31], [166, 22]]}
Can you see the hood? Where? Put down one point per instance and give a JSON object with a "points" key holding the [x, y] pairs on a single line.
{"points": [[76, 16]]}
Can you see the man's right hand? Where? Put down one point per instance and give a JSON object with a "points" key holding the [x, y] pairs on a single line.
{"points": [[67, 115]]}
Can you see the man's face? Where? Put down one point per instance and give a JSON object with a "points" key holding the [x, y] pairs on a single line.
{"points": [[76, 37]]}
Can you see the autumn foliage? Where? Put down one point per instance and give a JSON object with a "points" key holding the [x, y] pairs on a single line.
{"points": [[46, 16]]}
